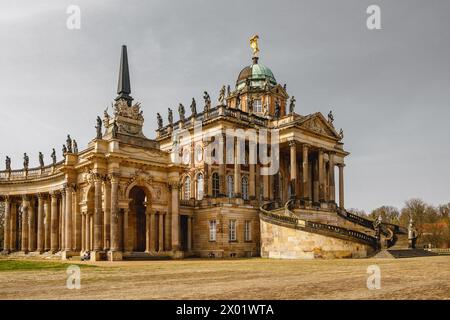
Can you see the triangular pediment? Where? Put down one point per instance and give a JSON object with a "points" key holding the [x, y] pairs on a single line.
{"points": [[317, 123]]}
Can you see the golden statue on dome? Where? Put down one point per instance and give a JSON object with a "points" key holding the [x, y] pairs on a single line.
{"points": [[254, 45]]}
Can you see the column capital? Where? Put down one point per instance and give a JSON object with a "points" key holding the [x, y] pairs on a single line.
{"points": [[114, 177], [54, 193], [292, 143], [306, 146], [340, 165]]}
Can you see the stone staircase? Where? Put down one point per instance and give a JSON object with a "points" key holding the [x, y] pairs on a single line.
{"points": [[400, 250], [403, 253]]}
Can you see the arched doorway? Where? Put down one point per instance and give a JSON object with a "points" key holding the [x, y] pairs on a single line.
{"points": [[138, 219]]}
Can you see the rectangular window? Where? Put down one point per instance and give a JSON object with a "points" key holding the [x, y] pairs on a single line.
{"points": [[212, 230], [232, 230], [257, 105], [247, 231]]}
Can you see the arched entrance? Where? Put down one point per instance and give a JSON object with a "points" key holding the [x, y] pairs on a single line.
{"points": [[138, 219]]}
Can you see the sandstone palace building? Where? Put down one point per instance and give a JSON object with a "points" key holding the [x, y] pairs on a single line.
{"points": [[127, 196]]}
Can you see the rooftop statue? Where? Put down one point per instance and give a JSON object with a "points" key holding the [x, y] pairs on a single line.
{"points": [[330, 117], [228, 90], [238, 101], [8, 163], [160, 120], [193, 107], [53, 156], [69, 143], [75, 146], [254, 45], [64, 149], [292, 105], [26, 161], [41, 160], [170, 117], [222, 95], [207, 99], [341, 133], [106, 117], [115, 130], [181, 112], [98, 127]]}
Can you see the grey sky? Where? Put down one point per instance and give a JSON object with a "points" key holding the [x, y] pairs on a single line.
{"points": [[389, 89]]}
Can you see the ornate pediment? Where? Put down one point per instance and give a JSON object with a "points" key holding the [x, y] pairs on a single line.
{"points": [[316, 123]]}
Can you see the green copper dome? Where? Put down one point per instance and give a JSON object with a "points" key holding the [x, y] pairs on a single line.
{"points": [[257, 74]]}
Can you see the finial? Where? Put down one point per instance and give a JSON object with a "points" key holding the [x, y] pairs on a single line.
{"points": [[123, 86]]}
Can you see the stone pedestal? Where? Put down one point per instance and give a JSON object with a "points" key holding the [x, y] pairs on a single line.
{"points": [[66, 254], [115, 256], [97, 255]]}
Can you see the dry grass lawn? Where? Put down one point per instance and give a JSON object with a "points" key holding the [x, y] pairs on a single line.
{"points": [[416, 278]]}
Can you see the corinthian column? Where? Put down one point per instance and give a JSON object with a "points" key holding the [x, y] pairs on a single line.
{"points": [[332, 190], [114, 213], [54, 222], [47, 224], [222, 167], [107, 215], [98, 214], [321, 177], [40, 228], [7, 230], [25, 209], [293, 173], [31, 227], [237, 170], [341, 185], [68, 219], [305, 175], [175, 217]]}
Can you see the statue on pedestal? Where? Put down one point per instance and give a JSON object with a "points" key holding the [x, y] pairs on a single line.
{"points": [[207, 99], [222, 96], [53, 156], [160, 120], [8, 163], [69, 143], [75, 146], [412, 234], [193, 107], [292, 105], [26, 161], [98, 127], [181, 112], [41, 160], [170, 117], [330, 117], [341, 133], [115, 130], [64, 149]]}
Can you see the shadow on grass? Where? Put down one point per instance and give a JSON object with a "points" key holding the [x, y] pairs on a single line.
{"points": [[21, 265]]}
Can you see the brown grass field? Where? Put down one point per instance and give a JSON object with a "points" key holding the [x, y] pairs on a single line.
{"points": [[415, 278]]}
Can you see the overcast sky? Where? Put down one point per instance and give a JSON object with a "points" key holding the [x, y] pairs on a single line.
{"points": [[389, 88]]}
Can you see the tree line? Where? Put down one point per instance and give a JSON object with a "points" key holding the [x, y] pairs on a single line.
{"points": [[431, 222]]}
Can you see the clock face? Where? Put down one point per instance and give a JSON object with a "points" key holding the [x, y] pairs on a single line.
{"points": [[186, 156], [199, 154]]}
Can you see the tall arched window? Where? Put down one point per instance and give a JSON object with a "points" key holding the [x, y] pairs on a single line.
{"points": [[199, 186], [215, 184], [245, 188], [187, 188], [230, 186]]}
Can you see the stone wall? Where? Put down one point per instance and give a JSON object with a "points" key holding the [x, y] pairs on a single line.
{"points": [[287, 243]]}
